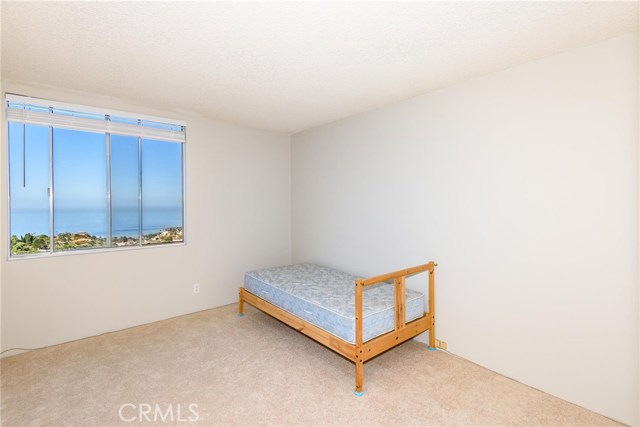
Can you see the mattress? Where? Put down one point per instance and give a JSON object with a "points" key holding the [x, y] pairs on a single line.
{"points": [[325, 297]]}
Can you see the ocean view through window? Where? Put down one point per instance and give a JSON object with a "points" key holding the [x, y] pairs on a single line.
{"points": [[84, 180]]}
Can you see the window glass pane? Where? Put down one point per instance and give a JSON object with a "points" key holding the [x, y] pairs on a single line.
{"points": [[57, 111], [125, 215], [20, 106], [161, 192], [125, 120], [157, 125], [80, 184], [29, 184]]}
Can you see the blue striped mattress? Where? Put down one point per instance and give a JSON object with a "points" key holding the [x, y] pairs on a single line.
{"points": [[325, 298]]}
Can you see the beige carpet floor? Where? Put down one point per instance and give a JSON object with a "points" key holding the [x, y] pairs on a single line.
{"points": [[256, 371]]}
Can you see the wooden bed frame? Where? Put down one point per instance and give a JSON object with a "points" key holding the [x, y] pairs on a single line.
{"points": [[360, 352]]}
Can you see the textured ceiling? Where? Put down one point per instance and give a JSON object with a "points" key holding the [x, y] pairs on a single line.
{"points": [[287, 66]]}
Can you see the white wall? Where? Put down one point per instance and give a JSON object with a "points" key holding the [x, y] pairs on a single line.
{"points": [[238, 218], [523, 185], [638, 242], [2, 213]]}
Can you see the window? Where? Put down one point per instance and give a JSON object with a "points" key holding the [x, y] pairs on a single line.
{"points": [[81, 179]]}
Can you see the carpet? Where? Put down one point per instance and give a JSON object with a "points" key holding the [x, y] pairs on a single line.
{"points": [[213, 368]]}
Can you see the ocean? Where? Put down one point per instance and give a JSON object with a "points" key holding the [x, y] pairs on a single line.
{"points": [[125, 221]]}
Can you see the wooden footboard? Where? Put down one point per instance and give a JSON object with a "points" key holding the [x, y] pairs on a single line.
{"points": [[361, 351]]}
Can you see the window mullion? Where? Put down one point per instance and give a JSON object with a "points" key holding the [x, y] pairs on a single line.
{"points": [[51, 219], [107, 140], [140, 191]]}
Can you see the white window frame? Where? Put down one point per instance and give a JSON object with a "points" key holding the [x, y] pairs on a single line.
{"points": [[92, 125]]}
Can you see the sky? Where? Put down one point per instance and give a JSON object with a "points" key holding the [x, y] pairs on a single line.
{"points": [[80, 174]]}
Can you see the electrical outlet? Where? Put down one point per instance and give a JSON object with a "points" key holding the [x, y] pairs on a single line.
{"points": [[441, 344], [196, 288]]}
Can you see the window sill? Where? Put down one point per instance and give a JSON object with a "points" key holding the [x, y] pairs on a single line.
{"points": [[92, 251]]}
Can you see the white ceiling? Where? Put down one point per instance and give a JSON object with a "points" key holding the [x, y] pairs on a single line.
{"points": [[287, 66]]}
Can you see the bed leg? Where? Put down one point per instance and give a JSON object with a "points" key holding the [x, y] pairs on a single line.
{"points": [[432, 330], [359, 374], [432, 339], [240, 304]]}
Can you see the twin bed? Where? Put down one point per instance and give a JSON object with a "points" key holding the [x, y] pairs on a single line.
{"points": [[357, 318]]}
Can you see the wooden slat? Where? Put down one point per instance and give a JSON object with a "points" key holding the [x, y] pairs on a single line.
{"points": [[399, 291], [391, 276], [359, 287], [336, 344], [383, 343], [359, 361]]}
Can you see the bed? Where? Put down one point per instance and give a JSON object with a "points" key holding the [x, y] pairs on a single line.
{"points": [[357, 318]]}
